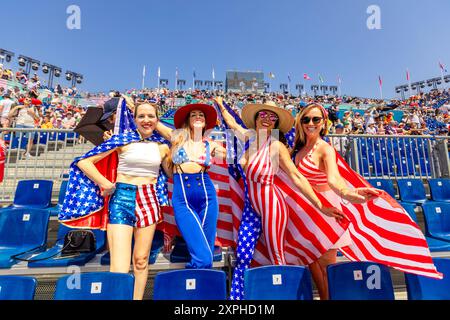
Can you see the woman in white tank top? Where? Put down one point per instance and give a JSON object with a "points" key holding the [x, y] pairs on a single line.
{"points": [[133, 207]]}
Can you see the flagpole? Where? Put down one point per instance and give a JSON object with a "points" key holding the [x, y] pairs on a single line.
{"points": [[143, 79], [159, 74], [381, 92]]}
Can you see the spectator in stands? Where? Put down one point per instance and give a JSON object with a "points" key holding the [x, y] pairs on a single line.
{"points": [[46, 123], [371, 129], [69, 121], [130, 213], [26, 115], [5, 108], [317, 161], [194, 197]]}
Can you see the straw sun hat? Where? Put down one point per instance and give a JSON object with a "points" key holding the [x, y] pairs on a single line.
{"points": [[285, 122]]}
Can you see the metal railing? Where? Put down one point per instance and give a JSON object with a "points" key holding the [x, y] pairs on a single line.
{"points": [[395, 157], [51, 154]]}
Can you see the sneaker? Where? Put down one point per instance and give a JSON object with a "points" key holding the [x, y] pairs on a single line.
{"points": [[28, 156]]}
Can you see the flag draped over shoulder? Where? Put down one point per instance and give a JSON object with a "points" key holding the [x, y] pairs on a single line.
{"points": [[381, 229], [84, 206]]}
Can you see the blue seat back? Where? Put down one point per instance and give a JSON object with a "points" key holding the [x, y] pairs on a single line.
{"points": [[278, 283], [384, 184], [95, 286], [23, 228], [359, 281], [190, 284], [437, 219], [425, 288], [33, 194], [17, 288], [62, 191], [411, 190], [439, 189]]}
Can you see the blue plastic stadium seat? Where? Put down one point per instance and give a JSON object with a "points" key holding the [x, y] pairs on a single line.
{"points": [[61, 136], [180, 252], [95, 286], [440, 189], [54, 211], [21, 230], [157, 245], [412, 190], [190, 284], [42, 138], [409, 207], [58, 261], [359, 281], [384, 184], [278, 283], [17, 288], [425, 288], [19, 143], [33, 194], [437, 220]]}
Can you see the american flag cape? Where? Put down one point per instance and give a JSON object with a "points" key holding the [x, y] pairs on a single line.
{"points": [[381, 230], [84, 206]]}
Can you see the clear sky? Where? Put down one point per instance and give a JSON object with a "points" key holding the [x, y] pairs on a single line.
{"points": [[117, 38]]}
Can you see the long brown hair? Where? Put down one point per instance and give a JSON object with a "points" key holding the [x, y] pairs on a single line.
{"points": [[300, 137]]}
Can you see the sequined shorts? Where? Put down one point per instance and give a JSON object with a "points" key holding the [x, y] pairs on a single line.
{"points": [[135, 206]]}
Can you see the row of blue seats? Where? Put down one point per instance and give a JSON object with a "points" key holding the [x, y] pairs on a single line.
{"points": [[409, 190], [413, 190], [20, 141], [24, 230], [346, 281], [374, 166]]}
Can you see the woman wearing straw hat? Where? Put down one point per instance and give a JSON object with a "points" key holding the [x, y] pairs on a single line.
{"points": [[317, 161], [260, 163], [194, 197]]}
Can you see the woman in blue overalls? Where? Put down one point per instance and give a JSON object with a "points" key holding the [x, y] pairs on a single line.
{"points": [[194, 198]]}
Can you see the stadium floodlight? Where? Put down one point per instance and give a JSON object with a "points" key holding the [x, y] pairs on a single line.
{"points": [[7, 55], [299, 87], [74, 77], [333, 89], [198, 83], [52, 71], [315, 88], [447, 78], [28, 63], [218, 85], [164, 82], [208, 84], [180, 83], [283, 87], [324, 89]]}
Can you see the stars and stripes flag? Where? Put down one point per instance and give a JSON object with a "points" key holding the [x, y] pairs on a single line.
{"points": [[442, 67], [271, 75], [381, 230], [380, 81], [306, 77], [407, 75]]}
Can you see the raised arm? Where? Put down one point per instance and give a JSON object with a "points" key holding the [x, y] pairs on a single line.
{"points": [[90, 170], [229, 118], [300, 181], [337, 183], [164, 130]]}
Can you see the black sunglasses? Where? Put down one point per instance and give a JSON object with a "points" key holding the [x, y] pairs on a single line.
{"points": [[315, 120]]}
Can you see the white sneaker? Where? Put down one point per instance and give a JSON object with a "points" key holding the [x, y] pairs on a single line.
{"points": [[28, 156]]}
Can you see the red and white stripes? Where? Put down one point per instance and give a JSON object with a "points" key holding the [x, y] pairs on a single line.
{"points": [[147, 207]]}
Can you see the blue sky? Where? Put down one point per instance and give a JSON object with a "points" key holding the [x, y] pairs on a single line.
{"points": [[117, 38]]}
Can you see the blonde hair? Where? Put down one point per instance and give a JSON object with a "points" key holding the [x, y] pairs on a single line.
{"points": [[300, 137], [183, 134]]}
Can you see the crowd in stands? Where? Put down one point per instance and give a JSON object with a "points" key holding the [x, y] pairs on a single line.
{"points": [[58, 108]]}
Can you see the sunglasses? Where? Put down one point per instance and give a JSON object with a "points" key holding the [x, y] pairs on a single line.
{"points": [[315, 120], [264, 115]]}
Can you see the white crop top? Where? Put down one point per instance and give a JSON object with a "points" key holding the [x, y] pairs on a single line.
{"points": [[140, 159]]}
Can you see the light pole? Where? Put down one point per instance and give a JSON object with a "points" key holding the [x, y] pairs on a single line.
{"points": [[299, 87], [52, 71], [28, 63], [315, 88], [6, 55], [266, 87], [74, 77]]}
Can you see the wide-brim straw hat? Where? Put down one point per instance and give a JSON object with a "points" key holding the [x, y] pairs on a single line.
{"points": [[285, 122], [209, 112]]}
